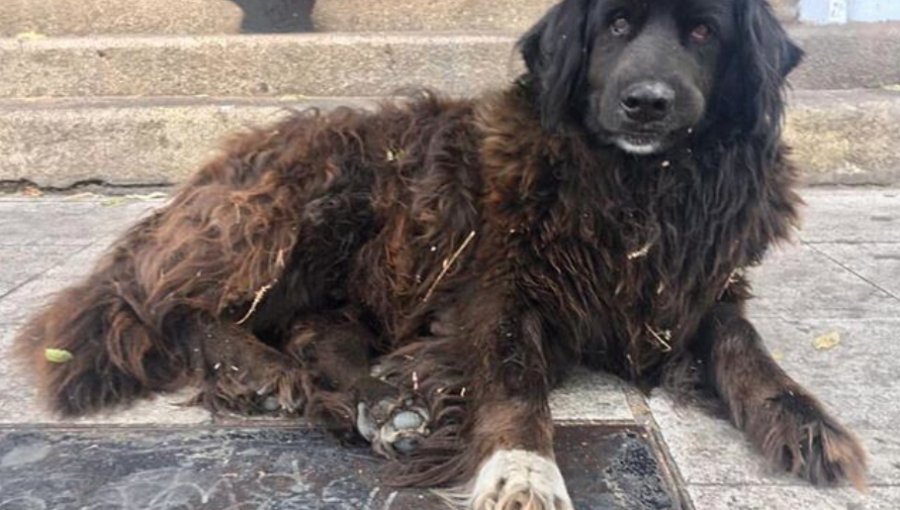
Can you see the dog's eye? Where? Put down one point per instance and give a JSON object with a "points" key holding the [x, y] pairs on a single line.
{"points": [[701, 33], [620, 26]]}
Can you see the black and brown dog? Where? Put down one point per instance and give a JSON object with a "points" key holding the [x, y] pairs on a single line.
{"points": [[426, 273]]}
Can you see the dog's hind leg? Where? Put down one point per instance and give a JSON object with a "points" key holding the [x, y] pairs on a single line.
{"points": [[779, 416], [239, 373], [111, 355], [224, 237]]}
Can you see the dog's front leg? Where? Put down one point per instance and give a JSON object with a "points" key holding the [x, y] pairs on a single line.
{"points": [[513, 430], [778, 415]]}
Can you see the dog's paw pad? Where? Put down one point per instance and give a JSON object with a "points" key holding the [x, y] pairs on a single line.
{"points": [[394, 427], [271, 404]]}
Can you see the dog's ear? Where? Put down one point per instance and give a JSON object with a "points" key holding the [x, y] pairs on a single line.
{"points": [[765, 56], [556, 54]]}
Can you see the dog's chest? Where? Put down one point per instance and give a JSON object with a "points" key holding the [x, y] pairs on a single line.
{"points": [[633, 282]]}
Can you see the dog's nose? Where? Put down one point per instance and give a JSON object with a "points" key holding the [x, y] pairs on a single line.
{"points": [[648, 101]]}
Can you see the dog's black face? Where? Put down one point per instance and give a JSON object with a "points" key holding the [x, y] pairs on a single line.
{"points": [[645, 74], [652, 70]]}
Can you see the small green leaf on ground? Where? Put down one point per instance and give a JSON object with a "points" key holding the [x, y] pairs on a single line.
{"points": [[58, 355], [827, 341]]}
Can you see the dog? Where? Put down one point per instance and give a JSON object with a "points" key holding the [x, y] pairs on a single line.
{"points": [[424, 274]]}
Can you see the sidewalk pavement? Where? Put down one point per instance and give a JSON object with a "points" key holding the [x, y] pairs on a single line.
{"points": [[617, 448]]}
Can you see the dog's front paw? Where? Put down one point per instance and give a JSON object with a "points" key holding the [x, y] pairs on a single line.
{"points": [[519, 480], [801, 438]]}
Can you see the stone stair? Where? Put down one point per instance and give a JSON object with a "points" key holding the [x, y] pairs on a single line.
{"points": [[137, 92]]}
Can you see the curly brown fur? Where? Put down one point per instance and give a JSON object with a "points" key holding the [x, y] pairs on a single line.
{"points": [[473, 251]]}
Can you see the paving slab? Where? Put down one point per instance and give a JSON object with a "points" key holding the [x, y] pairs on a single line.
{"points": [[878, 263], [717, 497], [588, 397], [791, 284], [280, 469], [23, 300], [74, 220], [838, 278], [25, 263], [849, 216]]}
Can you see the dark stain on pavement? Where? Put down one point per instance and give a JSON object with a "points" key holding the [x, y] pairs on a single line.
{"points": [[280, 468]]}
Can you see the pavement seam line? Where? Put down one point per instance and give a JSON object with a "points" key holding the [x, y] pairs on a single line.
{"points": [[854, 273], [44, 272], [669, 469]]}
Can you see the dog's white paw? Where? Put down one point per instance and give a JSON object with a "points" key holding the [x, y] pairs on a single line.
{"points": [[519, 480]]}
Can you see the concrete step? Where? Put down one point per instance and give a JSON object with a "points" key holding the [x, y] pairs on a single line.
{"points": [[356, 64], [61, 142], [435, 15], [89, 17], [254, 65], [427, 15], [840, 137], [92, 17]]}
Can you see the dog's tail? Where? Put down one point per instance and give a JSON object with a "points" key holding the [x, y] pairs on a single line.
{"points": [[90, 348]]}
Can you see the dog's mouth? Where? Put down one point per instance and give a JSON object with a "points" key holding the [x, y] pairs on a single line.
{"points": [[640, 144]]}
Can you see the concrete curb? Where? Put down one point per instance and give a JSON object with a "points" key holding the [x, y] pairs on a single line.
{"points": [[840, 137], [357, 64]]}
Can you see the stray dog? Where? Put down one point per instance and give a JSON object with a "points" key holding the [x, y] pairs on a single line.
{"points": [[426, 273]]}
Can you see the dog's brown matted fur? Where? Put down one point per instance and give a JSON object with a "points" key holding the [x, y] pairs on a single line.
{"points": [[468, 253]]}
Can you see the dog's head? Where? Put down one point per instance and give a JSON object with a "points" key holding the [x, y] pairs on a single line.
{"points": [[644, 74]]}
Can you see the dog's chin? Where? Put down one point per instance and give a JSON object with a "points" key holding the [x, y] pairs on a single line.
{"points": [[640, 145]]}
